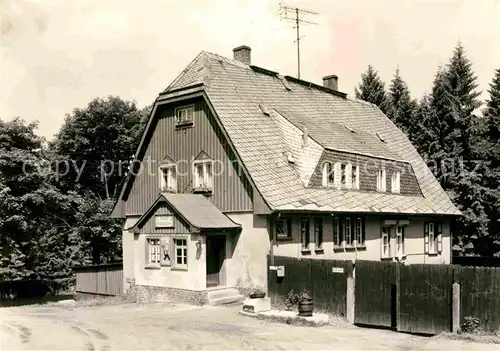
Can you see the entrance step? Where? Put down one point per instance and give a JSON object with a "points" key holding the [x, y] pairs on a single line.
{"points": [[223, 295]]}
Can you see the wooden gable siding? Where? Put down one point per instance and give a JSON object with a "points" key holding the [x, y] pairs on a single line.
{"points": [[180, 225], [368, 167], [232, 190]]}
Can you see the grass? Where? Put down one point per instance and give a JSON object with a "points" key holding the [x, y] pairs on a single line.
{"points": [[485, 338]]}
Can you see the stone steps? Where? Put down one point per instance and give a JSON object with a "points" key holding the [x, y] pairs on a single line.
{"points": [[223, 295]]}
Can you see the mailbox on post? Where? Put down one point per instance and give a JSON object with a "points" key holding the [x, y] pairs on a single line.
{"points": [[280, 271]]}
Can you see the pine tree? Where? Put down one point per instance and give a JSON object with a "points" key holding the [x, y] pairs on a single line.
{"points": [[372, 89], [400, 106], [420, 136], [492, 138], [455, 100]]}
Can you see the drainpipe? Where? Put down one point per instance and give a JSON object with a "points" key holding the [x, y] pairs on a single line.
{"points": [[273, 233]]}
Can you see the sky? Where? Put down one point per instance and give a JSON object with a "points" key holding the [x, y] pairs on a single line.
{"points": [[57, 55]]}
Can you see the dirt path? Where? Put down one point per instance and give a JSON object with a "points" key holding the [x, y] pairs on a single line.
{"points": [[168, 327]]}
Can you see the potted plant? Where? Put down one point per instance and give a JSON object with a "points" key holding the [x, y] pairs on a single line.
{"points": [[306, 304], [257, 293]]}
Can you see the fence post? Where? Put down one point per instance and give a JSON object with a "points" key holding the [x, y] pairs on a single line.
{"points": [[350, 296], [455, 317]]}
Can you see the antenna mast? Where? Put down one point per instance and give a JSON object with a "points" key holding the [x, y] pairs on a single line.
{"points": [[286, 13]]}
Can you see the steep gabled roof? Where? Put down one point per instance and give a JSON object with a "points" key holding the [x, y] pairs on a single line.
{"points": [[239, 93]]}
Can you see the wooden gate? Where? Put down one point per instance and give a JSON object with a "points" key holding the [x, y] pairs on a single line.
{"points": [[375, 293]]}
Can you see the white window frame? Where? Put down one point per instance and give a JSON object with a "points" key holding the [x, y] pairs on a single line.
{"points": [[286, 225], [305, 233], [381, 180], [189, 110], [355, 177], [153, 252], [400, 241], [338, 240], [358, 232], [328, 168], [396, 182], [318, 232], [177, 244], [207, 181], [432, 238], [385, 242], [168, 171], [348, 231]]}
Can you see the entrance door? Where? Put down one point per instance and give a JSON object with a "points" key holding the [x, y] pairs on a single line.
{"points": [[216, 252]]}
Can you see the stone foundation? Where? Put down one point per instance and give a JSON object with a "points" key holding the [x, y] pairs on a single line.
{"points": [[147, 294]]}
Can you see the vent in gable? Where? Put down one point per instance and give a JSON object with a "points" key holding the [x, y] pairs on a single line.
{"points": [[290, 158], [265, 110], [380, 137]]}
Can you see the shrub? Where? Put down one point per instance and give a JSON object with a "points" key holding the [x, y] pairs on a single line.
{"points": [[471, 325]]}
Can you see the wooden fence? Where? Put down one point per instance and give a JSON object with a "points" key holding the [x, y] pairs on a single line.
{"points": [[329, 292], [407, 298], [104, 279]]}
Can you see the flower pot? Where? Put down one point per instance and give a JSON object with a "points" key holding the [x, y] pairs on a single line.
{"points": [[306, 308], [257, 295]]}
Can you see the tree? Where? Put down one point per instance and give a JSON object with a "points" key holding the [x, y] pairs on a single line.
{"points": [[400, 107], [421, 136], [371, 89], [492, 139], [97, 142], [454, 148]]}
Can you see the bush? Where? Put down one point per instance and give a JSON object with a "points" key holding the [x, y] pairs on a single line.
{"points": [[471, 325]]}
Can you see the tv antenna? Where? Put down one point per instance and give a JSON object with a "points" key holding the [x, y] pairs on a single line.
{"points": [[294, 14]]}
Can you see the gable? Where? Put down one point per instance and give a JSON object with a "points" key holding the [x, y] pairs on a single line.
{"points": [[180, 226]]}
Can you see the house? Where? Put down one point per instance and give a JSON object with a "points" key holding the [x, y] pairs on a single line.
{"points": [[238, 161]]}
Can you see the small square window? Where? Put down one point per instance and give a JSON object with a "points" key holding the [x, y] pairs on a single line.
{"points": [[180, 252], [203, 176], [283, 228], [184, 116], [168, 178], [153, 252]]}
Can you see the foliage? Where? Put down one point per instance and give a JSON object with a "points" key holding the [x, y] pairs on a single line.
{"points": [[400, 107], [99, 139], [371, 89], [471, 325], [292, 298]]}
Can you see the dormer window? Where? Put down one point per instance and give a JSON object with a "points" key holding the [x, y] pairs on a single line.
{"points": [[381, 180], [328, 174], [168, 178], [396, 182], [184, 116], [203, 175], [355, 177]]}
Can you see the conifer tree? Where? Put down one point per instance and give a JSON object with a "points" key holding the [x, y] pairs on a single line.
{"points": [[372, 89], [400, 106]]}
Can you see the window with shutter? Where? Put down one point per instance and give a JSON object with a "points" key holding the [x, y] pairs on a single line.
{"points": [[439, 237], [400, 241], [184, 116], [432, 239], [426, 238]]}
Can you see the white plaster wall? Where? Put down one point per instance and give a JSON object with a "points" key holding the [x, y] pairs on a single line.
{"points": [[414, 242], [128, 252], [246, 262], [194, 278]]}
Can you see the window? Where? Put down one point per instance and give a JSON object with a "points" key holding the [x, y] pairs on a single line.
{"points": [[359, 232], [381, 180], [433, 238], [400, 241], [283, 228], [318, 232], [396, 182], [304, 232], [355, 177], [343, 175], [184, 116], [328, 174], [203, 177], [347, 231], [337, 233], [168, 178], [385, 243], [153, 252], [180, 252]]}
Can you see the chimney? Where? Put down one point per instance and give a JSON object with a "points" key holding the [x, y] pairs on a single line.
{"points": [[242, 54], [331, 82]]}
